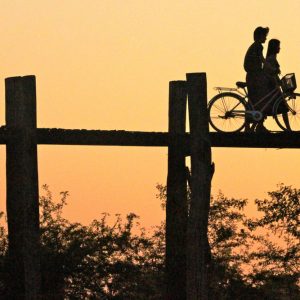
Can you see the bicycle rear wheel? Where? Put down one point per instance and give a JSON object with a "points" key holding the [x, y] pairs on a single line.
{"points": [[227, 112], [293, 114]]}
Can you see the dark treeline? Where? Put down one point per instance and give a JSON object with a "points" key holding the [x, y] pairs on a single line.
{"points": [[254, 258]]}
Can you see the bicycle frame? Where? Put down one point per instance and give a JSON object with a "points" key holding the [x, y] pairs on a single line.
{"points": [[229, 115], [272, 95]]}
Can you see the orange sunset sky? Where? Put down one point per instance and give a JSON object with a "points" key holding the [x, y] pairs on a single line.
{"points": [[106, 64]]}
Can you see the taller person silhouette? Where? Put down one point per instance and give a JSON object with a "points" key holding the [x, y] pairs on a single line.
{"points": [[256, 77]]}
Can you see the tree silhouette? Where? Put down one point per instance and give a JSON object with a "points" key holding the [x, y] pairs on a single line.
{"points": [[251, 258]]}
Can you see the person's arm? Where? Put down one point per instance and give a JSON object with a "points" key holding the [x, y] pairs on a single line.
{"points": [[260, 54], [271, 66], [254, 59]]}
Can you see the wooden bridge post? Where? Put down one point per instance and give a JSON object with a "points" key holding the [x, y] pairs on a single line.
{"points": [[22, 188], [176, 206], [198, 251]]}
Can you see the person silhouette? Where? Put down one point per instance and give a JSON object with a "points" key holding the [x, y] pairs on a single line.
{"points": [[272, 70], [271, 65], [255, 76]]}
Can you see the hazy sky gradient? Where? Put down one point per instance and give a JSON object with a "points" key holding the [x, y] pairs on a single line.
{"points": [[107, 64]]}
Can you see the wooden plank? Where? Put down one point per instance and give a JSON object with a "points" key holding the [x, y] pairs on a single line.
{"points": [[256, 140], [198, 251], [176, 206], [103, 137], [22, 188], [48, 136], [58, 136]]}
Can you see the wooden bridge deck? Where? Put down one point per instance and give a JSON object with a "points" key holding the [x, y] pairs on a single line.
{"points": [[53, 136]]}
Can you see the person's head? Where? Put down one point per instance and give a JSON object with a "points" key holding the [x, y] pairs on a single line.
{"points": [[260, 34], [273, 47]]}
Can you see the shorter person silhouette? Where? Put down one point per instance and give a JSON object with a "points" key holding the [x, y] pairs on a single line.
{"points": [[272, 70]]}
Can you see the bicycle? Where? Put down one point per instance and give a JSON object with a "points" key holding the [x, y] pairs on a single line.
{"points": [[231, 109]]}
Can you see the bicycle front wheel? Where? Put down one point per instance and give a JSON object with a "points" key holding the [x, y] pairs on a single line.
{"points": [[289, 120], [227, 112]]}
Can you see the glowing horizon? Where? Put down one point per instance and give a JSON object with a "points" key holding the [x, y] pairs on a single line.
{"points": [[106, 65]]}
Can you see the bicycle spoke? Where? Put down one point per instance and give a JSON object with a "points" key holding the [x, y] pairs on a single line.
{"points": [[220, 109], [227, 112], [224, 104]]}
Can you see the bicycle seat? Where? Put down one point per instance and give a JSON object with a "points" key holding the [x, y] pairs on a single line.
{"points": [[241, 84]]}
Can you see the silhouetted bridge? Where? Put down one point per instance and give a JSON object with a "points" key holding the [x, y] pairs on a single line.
{"points": [[187, 248], [59, 136]]}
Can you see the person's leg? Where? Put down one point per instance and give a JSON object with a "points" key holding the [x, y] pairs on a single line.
{"points": [[247, 127], [253, 127], [260, 126], [250, 127]]}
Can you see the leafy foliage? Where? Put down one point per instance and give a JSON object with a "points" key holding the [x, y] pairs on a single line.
{"points": [[99, 260], [251, 258], [275, 263]]}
